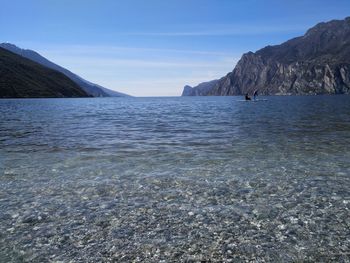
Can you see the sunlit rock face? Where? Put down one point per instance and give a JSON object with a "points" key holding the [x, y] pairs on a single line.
{"points": [[316, 63]]}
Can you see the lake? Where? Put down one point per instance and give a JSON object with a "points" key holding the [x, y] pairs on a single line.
{"points": [[175, 179]]}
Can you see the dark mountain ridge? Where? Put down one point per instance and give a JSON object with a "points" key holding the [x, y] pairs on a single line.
{"points": [[316, 63], [23, 78], [90, 88]]}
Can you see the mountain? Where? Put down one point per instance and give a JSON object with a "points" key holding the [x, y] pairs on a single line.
{"points": [[91, 88], [200, 90], [316, 63], [23, 78]]}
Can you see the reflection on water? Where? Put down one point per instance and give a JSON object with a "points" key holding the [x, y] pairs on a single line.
{"points": [[175, 179]]}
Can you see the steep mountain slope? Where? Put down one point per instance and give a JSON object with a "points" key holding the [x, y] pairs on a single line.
{"points": [[91, 88], [316, 63], [23, 78]]}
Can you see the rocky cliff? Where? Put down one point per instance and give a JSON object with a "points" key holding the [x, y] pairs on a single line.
{"points": [[316, 63], [201, 90]]}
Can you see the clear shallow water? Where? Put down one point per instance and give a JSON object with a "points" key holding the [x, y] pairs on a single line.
{"points": [[175, 179]]}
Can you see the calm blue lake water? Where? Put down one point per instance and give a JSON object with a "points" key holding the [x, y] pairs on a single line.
{"points": [[175, 179]]}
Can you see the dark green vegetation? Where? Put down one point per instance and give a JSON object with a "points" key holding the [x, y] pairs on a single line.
{"points": [[92, 89], [23, 78], [316, 63]]}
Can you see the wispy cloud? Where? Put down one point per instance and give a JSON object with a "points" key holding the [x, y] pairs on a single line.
{"points": [[148, 77], [145, 63], [223, 30], [141, 71], [113, 50]]}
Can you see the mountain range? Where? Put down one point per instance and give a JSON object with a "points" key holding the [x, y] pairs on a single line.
{"points": [[91, 89], [316, 63], [22, 78]]}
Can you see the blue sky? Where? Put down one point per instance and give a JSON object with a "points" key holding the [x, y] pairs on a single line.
{"points": [[154, 47]]}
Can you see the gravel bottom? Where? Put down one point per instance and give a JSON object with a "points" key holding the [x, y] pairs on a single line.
{"points": [[168, 218]]}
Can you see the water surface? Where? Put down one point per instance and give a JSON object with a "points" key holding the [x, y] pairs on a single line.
{"points": [[175, 179]]}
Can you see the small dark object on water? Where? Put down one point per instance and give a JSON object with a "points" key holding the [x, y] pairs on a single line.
{"points": [[255, 94], [247, 97]]}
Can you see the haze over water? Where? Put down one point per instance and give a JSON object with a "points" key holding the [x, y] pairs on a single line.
{"points": [[175, 179]]}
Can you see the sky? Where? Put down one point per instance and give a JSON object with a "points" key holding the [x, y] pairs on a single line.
{"points": [[156, 47]]}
